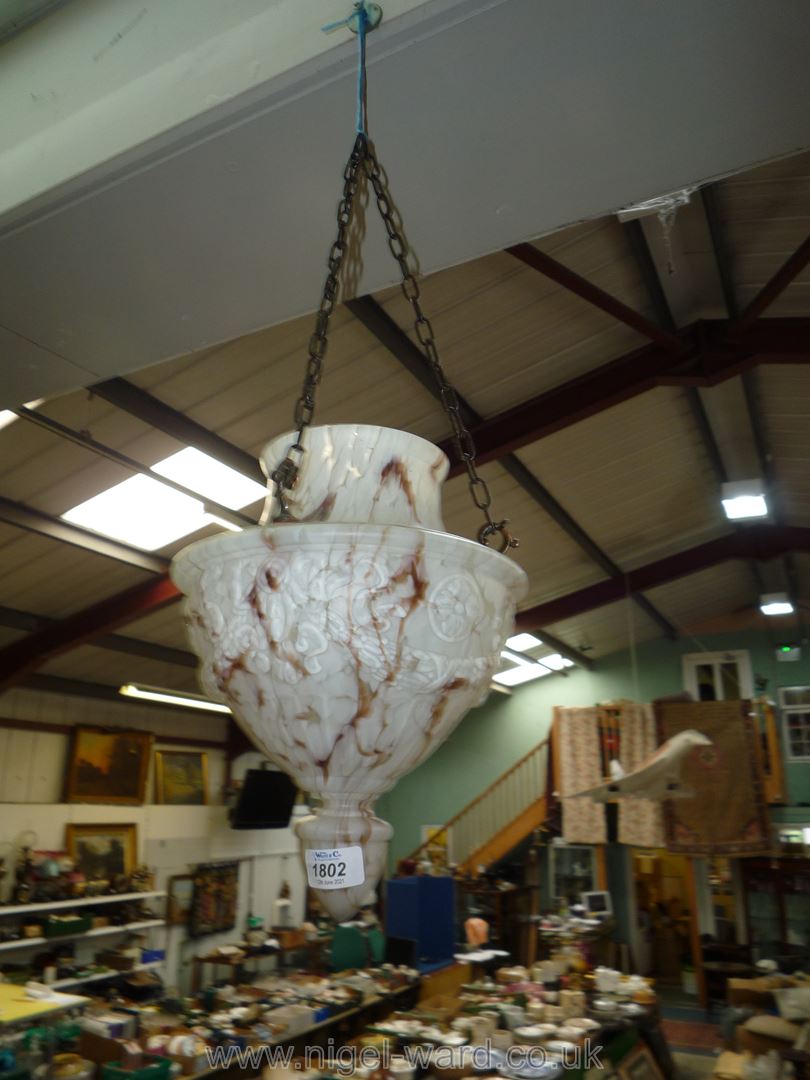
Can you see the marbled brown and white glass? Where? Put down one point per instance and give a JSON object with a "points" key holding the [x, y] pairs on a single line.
{"points": [[351, 641]]}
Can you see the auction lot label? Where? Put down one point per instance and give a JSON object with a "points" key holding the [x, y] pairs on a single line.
{"points": [[335, 868]]}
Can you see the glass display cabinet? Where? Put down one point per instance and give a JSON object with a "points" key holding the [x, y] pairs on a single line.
{"points": [[573, 872], [778, 907]]}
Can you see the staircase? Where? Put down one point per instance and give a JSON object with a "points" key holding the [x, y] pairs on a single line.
{"points": [[487, 828]]}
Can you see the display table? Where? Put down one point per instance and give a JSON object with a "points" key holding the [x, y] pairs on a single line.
{"points": [[285, 947], [347, 1024], [17, 1008], [336, 1030], [628, 1033]]}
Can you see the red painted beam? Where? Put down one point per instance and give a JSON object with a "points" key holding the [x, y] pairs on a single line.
{"points": [[586, 290], [751, 542], [22, 658], [708, 358], [790, 269]]}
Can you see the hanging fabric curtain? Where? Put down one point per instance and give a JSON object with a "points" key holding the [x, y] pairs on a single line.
{"points": [[579, 758], [641, 821]]}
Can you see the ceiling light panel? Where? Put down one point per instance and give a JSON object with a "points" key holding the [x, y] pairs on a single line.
{"points": [[210, 478], [556, 662], [517, 675], [523, 642], [744, 499], [147, 514], [140, 511], [775, 604]]}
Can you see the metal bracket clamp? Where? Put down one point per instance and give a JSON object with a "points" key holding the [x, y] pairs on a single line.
{"points": [[373, 15]]}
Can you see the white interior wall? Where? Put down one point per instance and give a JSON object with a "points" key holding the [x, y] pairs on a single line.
{"points": [[97, 78], [171, 839]]}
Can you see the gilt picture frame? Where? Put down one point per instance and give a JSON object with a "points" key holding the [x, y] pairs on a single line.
{"points": [[108, 765], [103, 852], [181, 777]]}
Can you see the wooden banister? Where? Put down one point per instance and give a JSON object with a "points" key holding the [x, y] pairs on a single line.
{"points": [[770, 753], [488, 793]]}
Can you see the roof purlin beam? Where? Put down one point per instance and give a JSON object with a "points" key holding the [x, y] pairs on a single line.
{"points": [[634, 231], [149, 650], [574, 655], [712, 212], [23, 658], [658, 298], [389, 334], [711, 362], [157, 414], [708, 195], [753, 542], [87, 442], [26, 517]]}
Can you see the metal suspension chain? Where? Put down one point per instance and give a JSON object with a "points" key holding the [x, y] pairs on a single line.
{"points": [[479, 489], [287, 472]]}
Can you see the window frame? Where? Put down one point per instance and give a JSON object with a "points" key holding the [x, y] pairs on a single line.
{"points": [[784, 712], [690, 662]]}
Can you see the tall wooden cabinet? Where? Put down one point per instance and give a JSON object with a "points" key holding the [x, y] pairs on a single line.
{"points": [[778, 906]]}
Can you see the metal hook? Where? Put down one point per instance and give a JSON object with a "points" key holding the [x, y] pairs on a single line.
{"points": [[491, 527]]}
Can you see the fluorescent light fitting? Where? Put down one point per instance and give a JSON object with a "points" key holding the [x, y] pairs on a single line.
{"points": [[743, 499], [777, 603], [523, 642], [210, 478], [172, 697], [517, 675]]}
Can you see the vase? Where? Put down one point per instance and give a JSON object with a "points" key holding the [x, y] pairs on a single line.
{"points": [[351, 639]]}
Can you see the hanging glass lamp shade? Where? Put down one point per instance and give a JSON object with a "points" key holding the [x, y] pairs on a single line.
{"points": [[350, 639], [350, 634]]}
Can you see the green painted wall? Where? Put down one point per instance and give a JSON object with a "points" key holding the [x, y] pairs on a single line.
{"points": [[495, 735]]}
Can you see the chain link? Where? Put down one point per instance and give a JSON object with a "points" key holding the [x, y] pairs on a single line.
{"points": [[285, 475], [465, 446]]}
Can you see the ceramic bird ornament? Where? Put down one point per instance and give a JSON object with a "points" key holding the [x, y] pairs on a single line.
{"points": [[657, 778]]}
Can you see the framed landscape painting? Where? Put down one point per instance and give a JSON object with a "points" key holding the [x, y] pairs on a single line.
{"points": [[181, 777], [101, 852], [108, 766]]}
